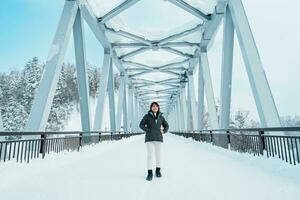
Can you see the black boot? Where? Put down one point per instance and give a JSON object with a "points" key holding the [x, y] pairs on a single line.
{"points": [[157, 172], [150, 175]]}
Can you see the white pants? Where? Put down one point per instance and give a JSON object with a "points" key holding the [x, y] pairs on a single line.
{"points": [[153, 146]]}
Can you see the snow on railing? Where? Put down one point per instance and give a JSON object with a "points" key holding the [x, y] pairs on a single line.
{"points": [[24, 150], [256, 141]]}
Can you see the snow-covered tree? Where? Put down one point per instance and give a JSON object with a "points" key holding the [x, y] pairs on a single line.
{"points": [[18, 90], [29, 81]]}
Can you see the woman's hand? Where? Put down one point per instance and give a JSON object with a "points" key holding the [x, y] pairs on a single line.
{"points": [[162, 130]]}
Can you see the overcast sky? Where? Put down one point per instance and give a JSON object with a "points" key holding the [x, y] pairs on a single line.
{"points": [[27, 28]]}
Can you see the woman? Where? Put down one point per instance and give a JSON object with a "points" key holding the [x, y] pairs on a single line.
{"points": [[152, 124]]}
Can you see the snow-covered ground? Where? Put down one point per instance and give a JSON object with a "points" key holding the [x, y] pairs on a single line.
{"points": [[116, 170], [74, 124]]}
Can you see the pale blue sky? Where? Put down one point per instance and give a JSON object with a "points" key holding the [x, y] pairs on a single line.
{"points": [[27, 28]]}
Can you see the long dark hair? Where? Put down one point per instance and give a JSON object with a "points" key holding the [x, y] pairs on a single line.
{"points": [[155, 103]]}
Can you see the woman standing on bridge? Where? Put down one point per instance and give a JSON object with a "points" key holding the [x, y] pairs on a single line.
{"points": [[152, 124]]}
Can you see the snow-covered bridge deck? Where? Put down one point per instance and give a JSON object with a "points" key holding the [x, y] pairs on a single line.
{"points": [[117, 169]]}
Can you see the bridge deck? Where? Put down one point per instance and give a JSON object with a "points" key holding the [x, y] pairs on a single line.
{"points": [[116, 170]]}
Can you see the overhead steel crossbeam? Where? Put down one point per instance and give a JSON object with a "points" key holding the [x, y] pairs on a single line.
{"points": [[171, 65], [153, 96], [123, 6], [182, 4], [141, 85], [129, 36], [133, 53], [143, 49], [176, 36], [168, 44], [156, 93], [155, 70]]}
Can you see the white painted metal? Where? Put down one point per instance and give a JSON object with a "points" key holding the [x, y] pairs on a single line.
{"points": [[102, 91], [191, 90], [111, 97], [125, 5], [189, 117], [179, 115], [130, 107], [121, 100], [82, 78], [44, 96], [212, 113], [125, 114], [200, 96], [265, 104], [183, 107], [226, 72], [172, 97], [187, 7]]}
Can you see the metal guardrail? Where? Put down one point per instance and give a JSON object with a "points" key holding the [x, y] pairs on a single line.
{"points": [[256, 141], [24, 150]]}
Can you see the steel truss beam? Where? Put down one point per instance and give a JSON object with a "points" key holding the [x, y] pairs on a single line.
{"points": [[44, 96], [117, 10], [187, 7], [183, 106], [263, 97], [200, 96], [106, 68], [226, 72], [212, 26], [111, 98], [168, 44], [192, 102], [143, 66], [173, 95], [176, 36], [130, 108], [177, 52], [82, 78], [210, 99], [129, 36], [154, 70], [121, 100], [134, 53]]}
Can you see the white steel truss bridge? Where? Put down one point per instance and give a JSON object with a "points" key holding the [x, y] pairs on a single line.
{"points": [[155, 67]]}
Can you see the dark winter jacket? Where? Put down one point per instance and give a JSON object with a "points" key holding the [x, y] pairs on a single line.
{"points": [[151, 126]]}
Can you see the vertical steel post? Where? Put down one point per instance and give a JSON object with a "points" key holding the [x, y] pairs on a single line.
{"points": [[191, 90], [226, 73], [200, 96], [226, 76], [210, 99], [125, 114], [130, 107], [183, 106], [189, 120], [120, 100], [179, 121], [82, 78], [102, 90], [111, 97]]}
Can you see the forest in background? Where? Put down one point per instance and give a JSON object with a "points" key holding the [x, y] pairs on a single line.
{"points": [[18, 87]]}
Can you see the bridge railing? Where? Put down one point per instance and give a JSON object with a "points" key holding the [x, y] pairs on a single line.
{"points": [[281, 142], [42, 143]]}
